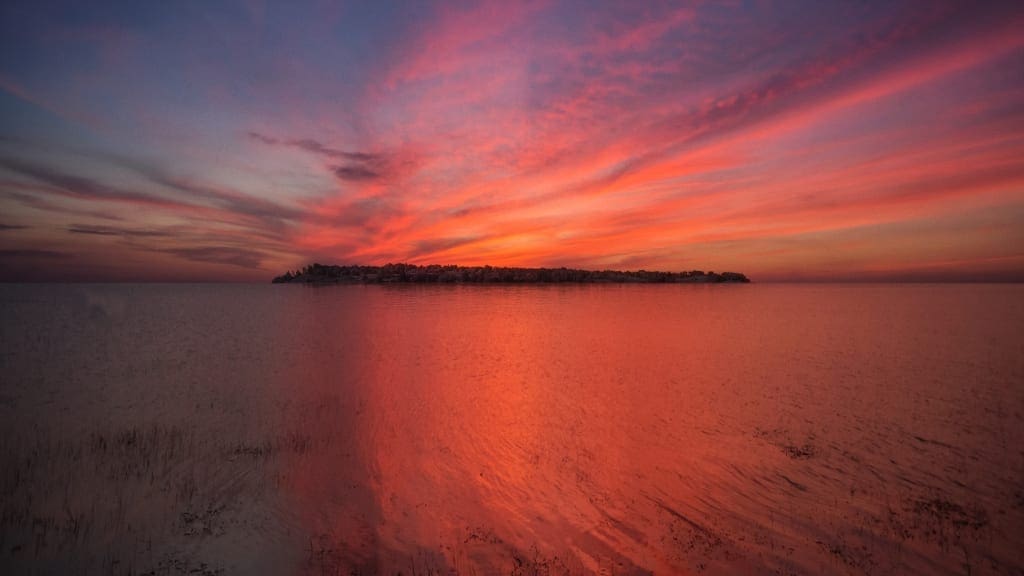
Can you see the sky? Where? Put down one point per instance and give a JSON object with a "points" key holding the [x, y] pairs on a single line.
{"points": [[788, 140]]}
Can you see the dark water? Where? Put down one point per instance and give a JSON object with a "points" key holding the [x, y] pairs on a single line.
{"points": [[753, 429]]}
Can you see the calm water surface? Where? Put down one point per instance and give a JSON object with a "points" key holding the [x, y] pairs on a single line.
{"points": [[760, 429]]}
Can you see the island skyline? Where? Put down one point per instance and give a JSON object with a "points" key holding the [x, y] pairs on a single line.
{"points": [[404, 273]]}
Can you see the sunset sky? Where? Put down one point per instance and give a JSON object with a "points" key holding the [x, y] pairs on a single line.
{"points": [[779, 138]]}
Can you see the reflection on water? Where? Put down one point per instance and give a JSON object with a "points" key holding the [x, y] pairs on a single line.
{"points": [[512, 430]]}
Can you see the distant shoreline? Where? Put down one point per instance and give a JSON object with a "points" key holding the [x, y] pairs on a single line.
{"points": [[437, 274]]}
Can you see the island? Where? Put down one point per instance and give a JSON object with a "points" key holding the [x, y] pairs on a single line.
{"points": [[438, 274]]}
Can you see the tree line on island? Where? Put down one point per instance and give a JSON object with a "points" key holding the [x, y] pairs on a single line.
{"points": [[437, 274]]}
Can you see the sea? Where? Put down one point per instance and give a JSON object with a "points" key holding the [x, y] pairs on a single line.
{"points": [[512, 429]]}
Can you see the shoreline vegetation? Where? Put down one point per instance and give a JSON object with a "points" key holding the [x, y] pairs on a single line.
{"points": [[437, 274]]}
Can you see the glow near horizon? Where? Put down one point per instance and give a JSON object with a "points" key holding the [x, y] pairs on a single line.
{"points": [[780, 139]]}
